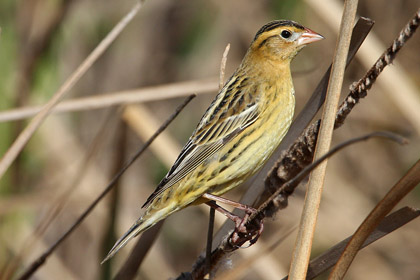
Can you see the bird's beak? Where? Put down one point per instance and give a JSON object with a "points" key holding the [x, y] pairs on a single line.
{"points": [[309, 36]]}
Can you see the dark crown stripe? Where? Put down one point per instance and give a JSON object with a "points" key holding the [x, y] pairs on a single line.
{"points": [[277, 23]]}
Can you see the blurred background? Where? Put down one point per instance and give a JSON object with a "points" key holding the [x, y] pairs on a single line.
{"points": [[179, 45]]}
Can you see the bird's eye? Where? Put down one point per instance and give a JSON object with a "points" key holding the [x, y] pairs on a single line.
{"points": [[286, 34]]}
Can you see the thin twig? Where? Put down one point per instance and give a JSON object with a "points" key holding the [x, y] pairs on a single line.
{"points": [[32, 46], [109, 235], [212, 212], [303, 245], [145, 94], [141, 120], [36, 122], [405, 185], [305, 171], [40, 260], [210, 240], [359, 89]]}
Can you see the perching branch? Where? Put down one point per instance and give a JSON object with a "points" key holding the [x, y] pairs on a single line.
{"points": [[228, 246]]}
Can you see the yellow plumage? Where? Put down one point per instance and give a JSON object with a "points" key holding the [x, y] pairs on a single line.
{"points": [[239, 131]]}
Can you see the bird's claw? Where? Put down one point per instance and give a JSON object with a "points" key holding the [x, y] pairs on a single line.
{"points": [[242, 234]]}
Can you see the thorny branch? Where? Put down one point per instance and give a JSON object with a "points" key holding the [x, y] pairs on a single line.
{"points": [[359, 89], [300, 153]]}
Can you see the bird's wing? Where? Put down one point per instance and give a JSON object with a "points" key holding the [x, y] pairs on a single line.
{"points": [[218, 126]]}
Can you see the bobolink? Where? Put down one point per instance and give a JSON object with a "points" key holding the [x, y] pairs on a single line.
{"points": [[239, 131]]}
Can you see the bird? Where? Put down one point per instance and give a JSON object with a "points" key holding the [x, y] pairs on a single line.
{"points": [[238, 132]]}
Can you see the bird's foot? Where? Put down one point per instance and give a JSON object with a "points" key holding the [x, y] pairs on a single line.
{"points": [[242, 233], [245, 228]]}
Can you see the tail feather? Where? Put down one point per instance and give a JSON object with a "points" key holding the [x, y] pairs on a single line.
{"points": [[146, 221], [135, 229]]}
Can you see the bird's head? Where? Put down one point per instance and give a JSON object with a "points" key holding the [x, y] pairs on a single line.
{"points": [[279, 41]]}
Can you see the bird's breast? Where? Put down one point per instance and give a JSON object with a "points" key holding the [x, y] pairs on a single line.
{"points": [[247, 153], [274, 121]]}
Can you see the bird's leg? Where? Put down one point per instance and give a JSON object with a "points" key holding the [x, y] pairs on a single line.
{"points": [[236, 219], [239, 222], [246, 208]]}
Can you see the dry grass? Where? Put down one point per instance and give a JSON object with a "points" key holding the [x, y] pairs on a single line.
{"points": [[172, 42]]}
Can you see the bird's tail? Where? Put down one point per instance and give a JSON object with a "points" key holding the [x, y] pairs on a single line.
{"points": [[140, 226]]}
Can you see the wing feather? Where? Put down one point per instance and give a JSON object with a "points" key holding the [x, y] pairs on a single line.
{"points": [[210, 136]]}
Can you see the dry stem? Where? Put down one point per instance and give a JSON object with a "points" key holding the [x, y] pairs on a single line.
{"points": [[36, 122], [145, 94], [406, 184], [303, 245]]}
